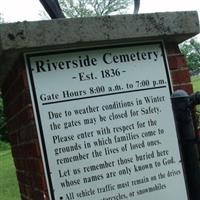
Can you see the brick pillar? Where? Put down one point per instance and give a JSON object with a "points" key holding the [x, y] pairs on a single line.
{"points": [[23, 134], [179, 69], [180, 75], [22, 130]]}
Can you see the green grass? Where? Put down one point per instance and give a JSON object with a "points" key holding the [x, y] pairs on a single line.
{"points": [[196, 88], [196, 83], [9, 189], [4, 146]]}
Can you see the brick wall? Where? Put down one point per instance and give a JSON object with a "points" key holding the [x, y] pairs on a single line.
{"points": [[22, 130], [23, 135], [179, 69], [180, 74]]}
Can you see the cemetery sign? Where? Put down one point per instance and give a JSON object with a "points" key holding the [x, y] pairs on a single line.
{"points": [[105, 123]]}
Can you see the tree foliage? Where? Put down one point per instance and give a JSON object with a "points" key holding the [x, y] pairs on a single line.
{"points": [[191, 49], [1, 19], [1, 111], [89, 8]]}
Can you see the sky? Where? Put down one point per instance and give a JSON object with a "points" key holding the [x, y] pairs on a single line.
{"points": [[29, 10]]}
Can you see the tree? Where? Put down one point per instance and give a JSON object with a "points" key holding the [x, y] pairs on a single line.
{"points": [[191, 50], [1, 19], [89, 8]]}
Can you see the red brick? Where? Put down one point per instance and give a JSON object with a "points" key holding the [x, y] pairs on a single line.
{"points": [[180, 76], [20, 177], [20, 164], [23, 134], [172, 48], [17, 151], [22, 189], [36, 149], [21, 119], [26, 116], [198, 134], [18, 103], [23, 99], [14, 151], [7, 83], [12, 125], [23, 80], [32, 149], [39, 195], [28, 133], [186, 87], [13, 138], [39, 165], [28, 191], [13, 92], [36, 166], [177, 61], [15, 82], [39, 182], [15, 162], [16, 69], [23, 197]]}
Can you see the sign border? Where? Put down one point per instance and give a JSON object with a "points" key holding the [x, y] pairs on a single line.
{"points": [[32, 88]]}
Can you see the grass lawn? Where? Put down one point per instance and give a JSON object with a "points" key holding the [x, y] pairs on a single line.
{"points": [[196, 83], [9, 189]]}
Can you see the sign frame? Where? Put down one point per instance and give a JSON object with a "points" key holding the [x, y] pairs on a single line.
{"points": [[38, 120]]}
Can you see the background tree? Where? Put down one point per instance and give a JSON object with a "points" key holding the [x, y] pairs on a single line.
{"points": [[89, 8], [191, 49], [1, 19], [3, 134]]}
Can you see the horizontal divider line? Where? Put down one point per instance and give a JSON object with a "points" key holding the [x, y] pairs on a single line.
{"points": [[102, 95]]}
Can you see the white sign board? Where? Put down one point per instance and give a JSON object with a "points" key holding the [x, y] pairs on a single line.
{"points": [[105, 123]]}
